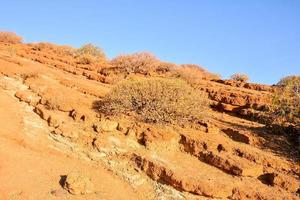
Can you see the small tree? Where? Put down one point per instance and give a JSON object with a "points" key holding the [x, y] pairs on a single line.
{"points": [[156, 100], [10, 37], [240, 77]]}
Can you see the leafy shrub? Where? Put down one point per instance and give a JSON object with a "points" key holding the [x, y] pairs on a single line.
{"points": [[240, 77], [10, 37], [155, 100], [286, 99], [141, 62]]}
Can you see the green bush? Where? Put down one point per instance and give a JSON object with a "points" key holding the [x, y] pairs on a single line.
{"points": [[156, 100], [286, 99]]}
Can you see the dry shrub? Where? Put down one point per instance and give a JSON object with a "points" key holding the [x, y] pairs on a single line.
{"points": [[113, 79], [286, 99], [10, 37], [62, 50], [92, 50], [193, 74], [240, 77], [42, 46], [114, 75], [85, 59], [141, 62], [89, 54], [155, 100], [164, 67], [65, 50]]}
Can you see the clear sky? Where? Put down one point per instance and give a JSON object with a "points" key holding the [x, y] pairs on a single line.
{"points": [[258, 37]]}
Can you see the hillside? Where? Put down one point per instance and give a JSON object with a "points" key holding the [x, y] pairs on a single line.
{"points": [[50, 127]]}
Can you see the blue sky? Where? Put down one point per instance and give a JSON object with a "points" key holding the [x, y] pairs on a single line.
{"points": [[258, 37]]}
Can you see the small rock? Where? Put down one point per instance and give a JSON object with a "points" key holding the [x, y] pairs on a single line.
{"points": [[108, 125], [53, 122], [220, 148], [76, 183]]}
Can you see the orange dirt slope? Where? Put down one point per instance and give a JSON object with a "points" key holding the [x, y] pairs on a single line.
{"points": [[49, 129]]}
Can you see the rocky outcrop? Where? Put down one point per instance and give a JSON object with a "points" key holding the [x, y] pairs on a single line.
{"points": [[186, 179], [28, 97]]}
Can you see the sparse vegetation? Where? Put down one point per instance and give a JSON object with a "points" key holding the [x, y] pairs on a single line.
{"points": [[156, 100], [286, 99], [85, 59], [193, 74], [62, 50], [240, 77], [141, 62], [89, 53], [92, 50], [10, 37], [164, 67]]}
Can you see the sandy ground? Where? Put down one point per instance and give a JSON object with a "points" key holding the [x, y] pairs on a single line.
{"points": [[31, 170]]}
